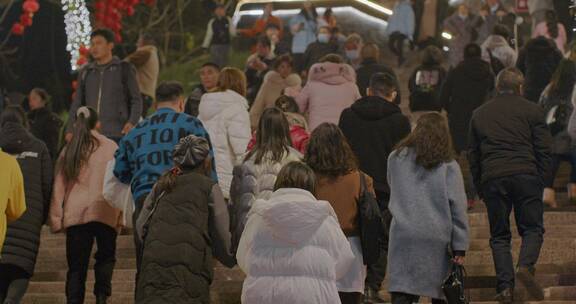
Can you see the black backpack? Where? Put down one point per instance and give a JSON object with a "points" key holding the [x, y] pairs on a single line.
{"points": [[372, 228]]}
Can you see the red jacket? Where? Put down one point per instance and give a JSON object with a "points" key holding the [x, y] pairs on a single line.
{"points": [[298, 135]]}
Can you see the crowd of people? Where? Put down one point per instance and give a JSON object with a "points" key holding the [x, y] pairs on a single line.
{"points": [[270, 168]]}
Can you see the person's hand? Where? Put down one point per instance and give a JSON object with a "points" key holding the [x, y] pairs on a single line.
{"points": [[458, 260], [127, 127], [260, 66], [68, 137]]}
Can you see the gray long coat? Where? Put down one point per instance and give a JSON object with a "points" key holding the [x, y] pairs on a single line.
{"points": [[429, 216]]}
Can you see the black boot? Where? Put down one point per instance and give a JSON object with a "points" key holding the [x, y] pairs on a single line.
{"points": [[101, 299], [371, 296], [526, 276], [506, 296]]}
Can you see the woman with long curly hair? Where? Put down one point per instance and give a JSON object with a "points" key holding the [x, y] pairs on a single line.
{"points": [[428, 206], [338, 181]]}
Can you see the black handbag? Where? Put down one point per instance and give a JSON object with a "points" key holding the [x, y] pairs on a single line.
{"points": [[372, 228], [453, 285]]}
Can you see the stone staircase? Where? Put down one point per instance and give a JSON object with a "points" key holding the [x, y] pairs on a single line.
{"points": [[556, 270]]}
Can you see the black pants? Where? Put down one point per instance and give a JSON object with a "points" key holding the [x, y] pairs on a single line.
{"points": [[13, 283], [376, 273], [404, 298], [137, 244], [523, 193], [396, 45], [350, 297], [557, 159], [79, 241]]}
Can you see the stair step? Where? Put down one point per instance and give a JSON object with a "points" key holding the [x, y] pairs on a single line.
{"points": [[221, 274], [550, 218]]}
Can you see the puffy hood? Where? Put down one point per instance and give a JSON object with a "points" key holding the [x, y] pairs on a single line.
{"points": [[332, 73], [475, 69], [295, 215], [213, 104], [374, 108], [293, 80], [14, 138], [496, 41]]}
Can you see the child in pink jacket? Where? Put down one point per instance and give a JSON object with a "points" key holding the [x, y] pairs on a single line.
{"points": [[79, 209]]}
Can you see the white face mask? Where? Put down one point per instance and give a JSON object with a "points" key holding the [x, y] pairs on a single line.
{"points": [[353, 54], [323, 38]]}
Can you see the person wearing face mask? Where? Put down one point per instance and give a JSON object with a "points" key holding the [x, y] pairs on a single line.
{"points": [[322, 47], [352, 47], [463, 26], [209, 73], [276, 81], [303, 27], [401, 27]]}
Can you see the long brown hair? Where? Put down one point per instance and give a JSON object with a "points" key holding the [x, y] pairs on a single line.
{"points": [[82, 145], [328, 152], [563, 79], [431, 141], [272, 137]]}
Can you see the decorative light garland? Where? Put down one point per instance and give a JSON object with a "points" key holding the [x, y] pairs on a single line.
{"points": [[78, 29]]}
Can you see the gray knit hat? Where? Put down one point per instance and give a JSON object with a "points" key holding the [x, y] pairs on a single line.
{"points": [[190, 151]]}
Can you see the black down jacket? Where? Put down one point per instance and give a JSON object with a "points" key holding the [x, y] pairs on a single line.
{"points": [[538, 61], [185, 228], [45, 125], [466, 88], [23, 236]]}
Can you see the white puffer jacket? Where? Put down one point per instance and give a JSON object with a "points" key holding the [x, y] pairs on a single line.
{"points": [[292, 251], [252, 182], [225, 117]]}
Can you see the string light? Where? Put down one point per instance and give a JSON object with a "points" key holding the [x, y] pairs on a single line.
{"points": [[78, 28]]}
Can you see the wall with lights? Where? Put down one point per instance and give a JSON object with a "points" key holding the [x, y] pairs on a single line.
{"points": [[78, 28]]}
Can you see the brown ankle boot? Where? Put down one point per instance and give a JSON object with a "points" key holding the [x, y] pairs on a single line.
{"points": [[572, 192], [550, 197]]}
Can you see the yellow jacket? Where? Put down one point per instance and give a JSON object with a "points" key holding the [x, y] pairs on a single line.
{"points": [[12, 201]]}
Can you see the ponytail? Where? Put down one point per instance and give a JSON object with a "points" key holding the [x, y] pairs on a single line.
{"points": [[552, 24], [81, 146], [167, 181]]}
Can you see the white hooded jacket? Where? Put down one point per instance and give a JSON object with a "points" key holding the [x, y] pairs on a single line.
{"points": [[225, 117], [292, 251]]}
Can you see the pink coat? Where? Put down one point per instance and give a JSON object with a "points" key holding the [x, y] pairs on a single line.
{"points": [[331, 88], [542, 30], [82, 202]]}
